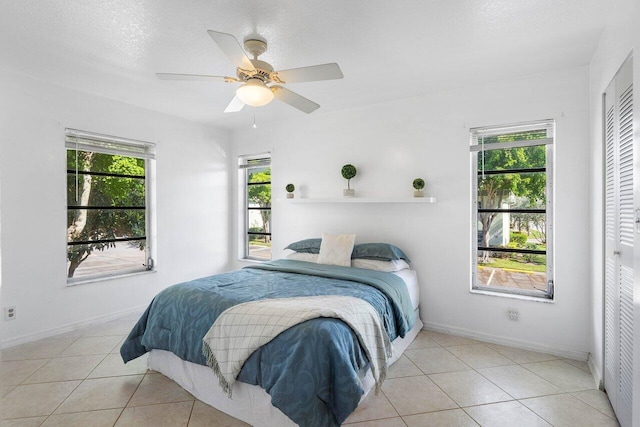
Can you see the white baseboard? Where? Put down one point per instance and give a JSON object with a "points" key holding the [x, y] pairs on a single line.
{"points": [[495, 339], [598, 379], [70, 327]]}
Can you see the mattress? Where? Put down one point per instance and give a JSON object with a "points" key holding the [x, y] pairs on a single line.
{"points": [[410, 277]]}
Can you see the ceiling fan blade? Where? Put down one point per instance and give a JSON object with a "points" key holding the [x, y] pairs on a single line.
{"points": [[295, 100], [234, 106], [195, 77], [309, 74], [231, 47]]}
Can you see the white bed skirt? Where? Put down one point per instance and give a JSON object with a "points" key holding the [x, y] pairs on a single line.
{"points": [[250, 403]]}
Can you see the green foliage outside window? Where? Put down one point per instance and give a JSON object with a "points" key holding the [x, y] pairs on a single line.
{"points": [[92, 190]]}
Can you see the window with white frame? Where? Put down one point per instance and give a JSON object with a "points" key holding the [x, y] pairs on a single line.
{"points": [[255, 179], [108, 212], [512, 209]]}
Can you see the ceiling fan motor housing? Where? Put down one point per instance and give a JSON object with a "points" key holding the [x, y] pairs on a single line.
{"points": [[263, 71]]}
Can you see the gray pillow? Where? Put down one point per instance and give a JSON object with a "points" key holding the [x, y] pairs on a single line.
{"points": [[379, 251], [307, 246]]}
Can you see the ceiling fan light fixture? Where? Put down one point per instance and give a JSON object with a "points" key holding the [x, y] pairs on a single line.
{"points": [[254, 93]]}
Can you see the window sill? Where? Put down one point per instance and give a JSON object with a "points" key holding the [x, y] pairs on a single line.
{"points": [[253, 260], [513, 296], [412, 200], [88, 280]]}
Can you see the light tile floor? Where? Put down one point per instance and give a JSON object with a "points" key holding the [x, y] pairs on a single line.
{"points": [[78, 379]]}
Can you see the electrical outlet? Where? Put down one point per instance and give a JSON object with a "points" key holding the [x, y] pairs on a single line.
{"points": [[9, 313], [513, 313]]}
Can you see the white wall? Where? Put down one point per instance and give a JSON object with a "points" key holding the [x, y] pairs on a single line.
{"points": [[428, 136], [192, 205], [615, 46]]}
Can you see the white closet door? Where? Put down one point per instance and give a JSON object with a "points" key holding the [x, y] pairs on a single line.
{"points": [[619, 246]]}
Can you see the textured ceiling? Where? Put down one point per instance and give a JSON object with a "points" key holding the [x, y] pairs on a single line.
{"points": [[386, 49]]}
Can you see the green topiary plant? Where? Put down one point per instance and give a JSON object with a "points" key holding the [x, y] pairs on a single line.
{"points": [[290, 188], [418, 183], [348, 171]]}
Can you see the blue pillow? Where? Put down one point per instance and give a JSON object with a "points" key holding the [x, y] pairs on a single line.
{"points": [[379, 251], [308, 246]]}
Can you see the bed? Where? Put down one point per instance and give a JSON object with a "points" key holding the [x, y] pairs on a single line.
{"points": [[313, 374]]}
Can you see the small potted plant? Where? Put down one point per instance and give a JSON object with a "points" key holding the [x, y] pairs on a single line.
{"points": [[348, 171], [290, 189], [418, 185]]}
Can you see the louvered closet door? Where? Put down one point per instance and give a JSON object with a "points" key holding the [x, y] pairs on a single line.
{"points": [[619, 233]]}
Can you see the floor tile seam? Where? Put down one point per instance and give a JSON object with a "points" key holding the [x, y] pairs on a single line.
{"points": [[23, 359], [63, 400], [500, 388], [25, 418], [28, 376], [390, 403], [74, 379], [151, 373], [565, 359], [98, 409], [421, 374], [96, 367], [471, 417], [373, 419], [513, 362], [425, 348], [497, 349], [53, 414], [113, 376], [465, 345], [445, 393], [161, 403], [440, 410], [193, 405], [552, 357], [67, 346], [564, 389], [11, 388], [447, 372], [535, 373], [82, 355], [583, 401], [532, 410], [456, 357], [132, 394], [179, 400], [393, 406], [517, 398], [102, 335]]}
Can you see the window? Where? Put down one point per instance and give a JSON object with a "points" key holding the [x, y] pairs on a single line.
{"points": [[108, 213], [255, 176], [512, 209]]}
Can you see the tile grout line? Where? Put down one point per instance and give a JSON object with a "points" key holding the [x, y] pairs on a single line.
{"points": [[131, 397]]}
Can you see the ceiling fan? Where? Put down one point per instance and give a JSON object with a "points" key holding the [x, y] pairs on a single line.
{"points": [[260, 82]]}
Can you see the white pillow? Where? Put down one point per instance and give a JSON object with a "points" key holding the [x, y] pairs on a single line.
{"points": [[336, 249], [301, 256], [378, 265]]}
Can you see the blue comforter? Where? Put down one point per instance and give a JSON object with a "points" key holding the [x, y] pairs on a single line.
{"points": [[310, 370]]}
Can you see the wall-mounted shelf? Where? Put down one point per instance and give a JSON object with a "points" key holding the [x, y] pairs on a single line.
{"points": [[418, 200]]}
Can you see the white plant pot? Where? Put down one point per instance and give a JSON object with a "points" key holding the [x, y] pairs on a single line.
{"points": [[348, 192], [289, 195], [418, 193]]}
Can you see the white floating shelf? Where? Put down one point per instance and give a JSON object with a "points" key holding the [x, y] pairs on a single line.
{"points": [[419, 200]]}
